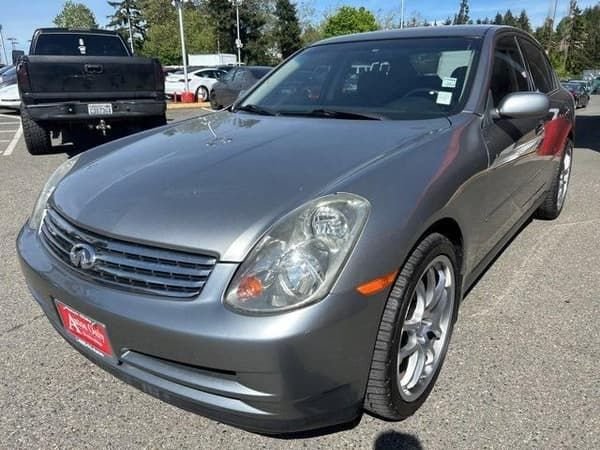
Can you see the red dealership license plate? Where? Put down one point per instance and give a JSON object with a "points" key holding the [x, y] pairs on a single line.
{"points": [[88, 332]]}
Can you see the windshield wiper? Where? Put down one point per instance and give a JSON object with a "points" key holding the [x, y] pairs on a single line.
{"points": [[334, 114], [256, 110]]}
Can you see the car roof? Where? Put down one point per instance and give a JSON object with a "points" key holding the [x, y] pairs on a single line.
{"points": [[75, 30], [419, 32]]}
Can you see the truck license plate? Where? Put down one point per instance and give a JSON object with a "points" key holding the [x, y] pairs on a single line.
{"points": [[99, 109]]}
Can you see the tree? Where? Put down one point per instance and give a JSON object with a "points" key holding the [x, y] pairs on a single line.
{"points": [[576, 52], [287, 32], [463, 13], [256, 33], [498, 20], [348, 20], [75, 15], [162, 33], [126, 10], [523, 22], [509, 19], [448, 21]]}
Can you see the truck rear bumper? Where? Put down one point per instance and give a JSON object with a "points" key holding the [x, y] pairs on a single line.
{"points": [[122, 110]]}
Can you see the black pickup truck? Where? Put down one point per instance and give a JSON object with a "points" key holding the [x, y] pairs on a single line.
{"points": [[77, 84]]}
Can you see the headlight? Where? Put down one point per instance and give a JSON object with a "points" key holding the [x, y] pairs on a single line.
{"points": [[300, 257], [40, 206]]}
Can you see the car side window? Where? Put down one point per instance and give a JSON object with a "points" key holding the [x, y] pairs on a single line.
{"points": [[229, 75], [508, 74], [538, 66]]}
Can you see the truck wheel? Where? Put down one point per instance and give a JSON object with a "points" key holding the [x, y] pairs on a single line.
{"points": [[37, 138]]}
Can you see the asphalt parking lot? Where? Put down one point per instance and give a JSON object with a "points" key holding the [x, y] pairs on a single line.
{"points": [[522, 371]]}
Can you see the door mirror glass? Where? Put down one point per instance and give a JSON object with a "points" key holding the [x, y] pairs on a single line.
{"points": [[519, 105]]}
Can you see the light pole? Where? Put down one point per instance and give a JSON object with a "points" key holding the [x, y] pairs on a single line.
{"points": [[3, 47], [13, 42], [238, 41], [179, 5], [127, 12], [402, 14]]}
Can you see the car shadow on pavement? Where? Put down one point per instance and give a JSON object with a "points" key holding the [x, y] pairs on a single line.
{"points": [[587, 132], [393, 440]]}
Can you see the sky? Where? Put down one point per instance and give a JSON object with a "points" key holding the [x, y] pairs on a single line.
{"points": [[20, 18]]}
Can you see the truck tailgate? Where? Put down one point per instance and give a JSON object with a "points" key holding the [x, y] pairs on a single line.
{"points": [[64, 77]]}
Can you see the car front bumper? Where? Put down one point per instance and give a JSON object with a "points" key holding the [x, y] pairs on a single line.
{"points": [[303, 370]]}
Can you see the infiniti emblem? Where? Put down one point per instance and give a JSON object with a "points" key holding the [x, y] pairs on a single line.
{"points": [[82, 256]]}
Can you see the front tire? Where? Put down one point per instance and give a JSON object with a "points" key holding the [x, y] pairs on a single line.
{"points": [[37, 138], [415, 330], [555, 198]]}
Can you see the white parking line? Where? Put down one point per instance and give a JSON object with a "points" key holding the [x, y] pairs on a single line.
{"points": [[13, 142], [8, 131]]}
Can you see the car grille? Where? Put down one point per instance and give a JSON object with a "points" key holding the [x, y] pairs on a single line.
{"points": [[134, 267]]}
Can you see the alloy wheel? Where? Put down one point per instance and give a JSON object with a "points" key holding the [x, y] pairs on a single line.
{"points": [[564, 176], [426, 328]]}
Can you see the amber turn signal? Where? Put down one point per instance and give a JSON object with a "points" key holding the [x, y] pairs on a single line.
{"points": [[377, 285]]}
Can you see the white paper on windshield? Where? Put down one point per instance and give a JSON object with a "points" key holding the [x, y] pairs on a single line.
{"points": [[449, 82], [444, 98]]}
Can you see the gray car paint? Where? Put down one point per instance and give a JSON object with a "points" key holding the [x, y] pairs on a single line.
{"points": [[215, 184]]}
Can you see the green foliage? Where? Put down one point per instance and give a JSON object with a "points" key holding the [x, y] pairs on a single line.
{"points": [[287, 31], [126, 10], [523, 22], [463, 13], [312, 33], [509, 19], [162, 33], [75, 15], [498, 19], [256, 28], [348, 20]]}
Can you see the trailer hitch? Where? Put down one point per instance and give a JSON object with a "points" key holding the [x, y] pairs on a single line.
{"points": [[103, 126]]}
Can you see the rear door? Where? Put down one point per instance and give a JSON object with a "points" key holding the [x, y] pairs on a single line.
{"points": [[557, 125]]}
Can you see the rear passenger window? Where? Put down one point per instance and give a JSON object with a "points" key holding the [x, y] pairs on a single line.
{"points": [[509, 74], [538, 65]]}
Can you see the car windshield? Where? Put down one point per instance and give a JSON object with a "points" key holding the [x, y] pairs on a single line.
{"points": [[400, 79]]}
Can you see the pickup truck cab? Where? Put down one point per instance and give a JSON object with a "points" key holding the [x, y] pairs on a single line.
{"points": [[78, 84]]}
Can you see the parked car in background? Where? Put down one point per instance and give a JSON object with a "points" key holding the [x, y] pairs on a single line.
{"points": [[287, 263], [579, 93], [596, 86], [238, 79], [200, 82], [586, 84], [86, 84], [9, 96], [8, 74]]}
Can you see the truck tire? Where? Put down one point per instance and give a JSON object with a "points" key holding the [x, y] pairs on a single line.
{"points": [[37, 138]]}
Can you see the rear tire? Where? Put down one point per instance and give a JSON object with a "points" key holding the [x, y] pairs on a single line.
{"points": [[201, 94], [554, 201], [415, 330], [37, 138]]}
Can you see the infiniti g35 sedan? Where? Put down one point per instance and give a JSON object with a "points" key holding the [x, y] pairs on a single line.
{"points": [[299, 258]]}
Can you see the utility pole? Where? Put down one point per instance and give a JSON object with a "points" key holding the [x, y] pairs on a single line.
{"points": [[238, 41], [179, 5], [13, 42], [3, 47], [127, 12], [402, 14]]}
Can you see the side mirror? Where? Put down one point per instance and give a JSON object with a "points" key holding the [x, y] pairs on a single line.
{"points": [[522, 105]]}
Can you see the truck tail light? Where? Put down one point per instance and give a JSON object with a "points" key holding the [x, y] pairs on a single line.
{"points": [[23, 76], [159, 76]]}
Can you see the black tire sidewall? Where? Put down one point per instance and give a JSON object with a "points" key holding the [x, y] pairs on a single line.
{"points": [[439, 246]]}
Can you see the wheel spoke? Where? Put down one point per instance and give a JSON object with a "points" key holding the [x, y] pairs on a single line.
{"points": [[417, 371], [408, 349], [430, 286], [438, 291]]}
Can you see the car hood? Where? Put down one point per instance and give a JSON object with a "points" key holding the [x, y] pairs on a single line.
{"points": [[214, 184]]}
